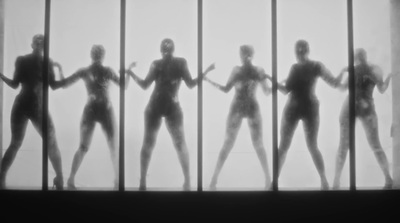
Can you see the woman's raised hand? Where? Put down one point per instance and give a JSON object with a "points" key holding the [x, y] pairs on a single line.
{"points": [[209, 68], [132, 65]]}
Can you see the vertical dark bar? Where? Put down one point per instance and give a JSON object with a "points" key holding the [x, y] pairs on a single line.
{"points": [[2, 11], [351, 95], [45, 96], [200, 96], [122, 100], [274, 96], [395, 52]]}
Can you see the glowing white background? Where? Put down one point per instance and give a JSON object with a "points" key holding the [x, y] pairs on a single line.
{"points": [[148, 22]]}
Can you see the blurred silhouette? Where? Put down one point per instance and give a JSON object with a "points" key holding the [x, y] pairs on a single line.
{"points": [[367, 76], [28, 105], [167, 73], [302, 104], [98, 109], [245, 79]]}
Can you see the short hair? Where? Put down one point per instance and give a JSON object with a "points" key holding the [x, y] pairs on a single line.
{"points": [[361, 52], [167, 45], [97, 52], [37, 36], [302, 46], [247, 50]]}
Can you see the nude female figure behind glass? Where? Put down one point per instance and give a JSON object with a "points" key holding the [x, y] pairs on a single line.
{"points": [[167, 73], [98, 109], [28, 106], [302, 104], [245, 79], [367, 76]]}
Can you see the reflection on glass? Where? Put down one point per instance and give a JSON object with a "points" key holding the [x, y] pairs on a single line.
{"points": [[174, 26], [228, 25], [311, 26], [373, 108], [78, 40], [24, 20]]}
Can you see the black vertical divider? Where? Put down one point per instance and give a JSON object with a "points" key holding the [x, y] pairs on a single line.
{"points": [[351, 95], [274, 96], [199, 96], [121, 162], [45, 96]]}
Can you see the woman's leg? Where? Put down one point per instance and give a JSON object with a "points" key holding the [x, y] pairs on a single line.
{"points": [[311, 126], [343, 144], [175, 128], [86, 129], [152, 125], [109, 127], [370, 124], [233, 124], [18, 128], [255, 125], [53, 150], [288, 126]]}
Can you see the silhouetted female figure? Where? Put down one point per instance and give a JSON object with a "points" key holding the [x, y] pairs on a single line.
{"points": [[28, 106], [302, 104], [367, 76], [245, 79], [167, 73], [98, 109]]}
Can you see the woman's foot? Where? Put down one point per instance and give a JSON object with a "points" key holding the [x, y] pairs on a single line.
{"points": [[336, 184], [2, 182], [268, 184], [142, 185], [213, 186], [388, 184], [116, 185], [324, 185], [142, 188], [71, 184], [58, 183], [186, 186]]}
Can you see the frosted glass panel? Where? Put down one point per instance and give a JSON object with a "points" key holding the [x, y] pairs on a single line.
{"points": [[148, 23], [323, 25], [230, 158], [86, 118], [22, 20], [373, 109]]}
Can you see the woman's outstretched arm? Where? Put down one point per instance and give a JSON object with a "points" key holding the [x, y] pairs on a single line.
{"points": [[343, 85], [263, 82], [327, 76], [144, 84], [13, 83], [10, 82], [193, 82], [116, 79], [381, 84], [280, 85], [229, 84], [66, 82]]}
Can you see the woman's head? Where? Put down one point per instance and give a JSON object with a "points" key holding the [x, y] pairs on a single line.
{"points": [[97, 53], [167, 47], [38, 42], [360, 56], [302, 49], [246, 53]]}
